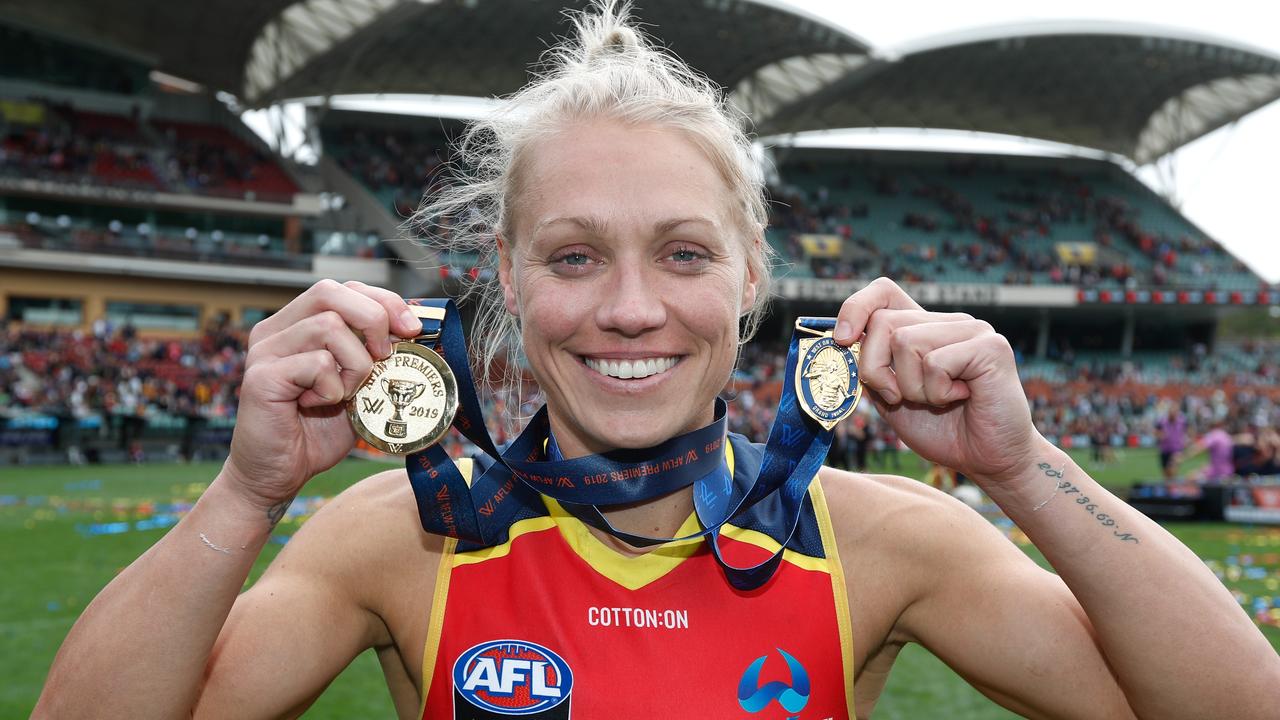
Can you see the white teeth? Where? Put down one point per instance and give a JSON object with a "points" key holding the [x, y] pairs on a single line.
{"points": [[631, 369]]}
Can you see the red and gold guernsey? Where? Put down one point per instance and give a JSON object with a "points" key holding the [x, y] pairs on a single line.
{"points": [[555, 624]]}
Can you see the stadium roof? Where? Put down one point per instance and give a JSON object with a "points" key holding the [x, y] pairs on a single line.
{"points": [[1140, 91], [268, 50]]}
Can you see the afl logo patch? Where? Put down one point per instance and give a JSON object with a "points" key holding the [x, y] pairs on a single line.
{"points": [[505, 678], [826, 381]]}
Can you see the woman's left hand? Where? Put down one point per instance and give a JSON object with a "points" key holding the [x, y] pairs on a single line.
{"points": [[946, 382]]}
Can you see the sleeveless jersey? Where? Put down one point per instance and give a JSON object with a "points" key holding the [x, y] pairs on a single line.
{"points": [[555, 624]]}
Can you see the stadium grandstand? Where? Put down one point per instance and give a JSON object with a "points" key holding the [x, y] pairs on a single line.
{"points": [[141, 217], [172, 173]]}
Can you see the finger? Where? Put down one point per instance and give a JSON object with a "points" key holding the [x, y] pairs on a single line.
{"points": [[875, 362], [910, 344], [881, 293], [359, 312], [403, 322], [950, 369], [311, 378], [327, 331]]}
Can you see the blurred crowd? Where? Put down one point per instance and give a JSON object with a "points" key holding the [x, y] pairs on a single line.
{"points": [[985, 240], [127, 380], [75, 147], [113, 371], [399, 163], [127, 151]]}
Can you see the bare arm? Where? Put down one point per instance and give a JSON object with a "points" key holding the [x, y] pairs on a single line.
{"points": [[1169, 636], [165, 612], [1176, 640], [319, 603]]}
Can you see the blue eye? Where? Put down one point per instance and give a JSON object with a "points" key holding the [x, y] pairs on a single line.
{"points": [[575, 259], [685, 255]]}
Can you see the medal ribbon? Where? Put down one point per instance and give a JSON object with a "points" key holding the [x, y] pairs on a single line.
{"points": [[480, 513]]}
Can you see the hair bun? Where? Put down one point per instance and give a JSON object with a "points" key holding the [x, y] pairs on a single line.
{"points": [[620, 40]]}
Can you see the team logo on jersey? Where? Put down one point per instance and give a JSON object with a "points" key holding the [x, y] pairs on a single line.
{"points": [[753, 697], [502, 678]]}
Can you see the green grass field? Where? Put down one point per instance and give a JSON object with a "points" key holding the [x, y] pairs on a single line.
{"points": [[50, 568]]}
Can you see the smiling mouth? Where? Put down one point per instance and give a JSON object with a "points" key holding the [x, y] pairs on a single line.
{"points": [[631, 369]]}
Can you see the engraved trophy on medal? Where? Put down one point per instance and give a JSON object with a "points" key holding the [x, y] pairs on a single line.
{"points": [[409, 399], [401, 393]]}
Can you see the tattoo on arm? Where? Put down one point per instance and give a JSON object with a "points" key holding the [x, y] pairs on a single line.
{"points": [[1105, 520], [275, 512]]}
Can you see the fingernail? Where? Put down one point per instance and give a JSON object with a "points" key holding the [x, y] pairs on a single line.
{"points": [[410, 320], [844, 331], [890, 396]]}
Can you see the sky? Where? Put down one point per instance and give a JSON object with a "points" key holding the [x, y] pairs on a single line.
{"points": [[1227, 182]]}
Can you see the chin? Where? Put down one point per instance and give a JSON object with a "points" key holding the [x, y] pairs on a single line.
{"points": [[635, 430]]}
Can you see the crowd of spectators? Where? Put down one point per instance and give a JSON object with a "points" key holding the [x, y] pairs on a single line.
{"points": [[127, 380], [206, 159], [115, 382], [128, 151], [992, 241], [76, 147], [403, 164]]}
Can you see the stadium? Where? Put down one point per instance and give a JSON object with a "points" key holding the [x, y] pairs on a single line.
{"points": [[172, 175]]}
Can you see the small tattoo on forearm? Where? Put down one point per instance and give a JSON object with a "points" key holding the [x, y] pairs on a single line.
{"points": [[209, 544], [275, 512], [1105, 520]]}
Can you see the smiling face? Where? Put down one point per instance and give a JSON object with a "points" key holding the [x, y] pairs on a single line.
{"points": [[627, 268]]}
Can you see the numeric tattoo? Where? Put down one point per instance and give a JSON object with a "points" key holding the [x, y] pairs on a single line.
{"points": [[1104, 519]]}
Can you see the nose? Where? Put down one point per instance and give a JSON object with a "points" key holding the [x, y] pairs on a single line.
{"points": [[631, 304]]}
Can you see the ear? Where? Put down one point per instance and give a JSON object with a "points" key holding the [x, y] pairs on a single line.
{"points": [[751, 279], [504, 276]]}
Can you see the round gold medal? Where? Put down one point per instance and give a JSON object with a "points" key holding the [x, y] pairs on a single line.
{"points": [[408, 401]]}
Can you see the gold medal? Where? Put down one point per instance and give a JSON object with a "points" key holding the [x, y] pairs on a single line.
{"points": [[826, 379], [408, 401]]}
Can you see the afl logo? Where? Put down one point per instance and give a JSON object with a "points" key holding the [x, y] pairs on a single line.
{"points": [[502, 678]]}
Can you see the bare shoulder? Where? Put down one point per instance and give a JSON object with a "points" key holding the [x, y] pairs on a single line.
{"points": [[899, 540], [362, 537], [890, 513]]}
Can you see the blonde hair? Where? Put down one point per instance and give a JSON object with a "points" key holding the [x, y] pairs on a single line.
{"points": [[610, 71]]}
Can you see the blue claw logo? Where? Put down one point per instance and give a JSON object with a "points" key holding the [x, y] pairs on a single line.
{"points": [[792, 698]]}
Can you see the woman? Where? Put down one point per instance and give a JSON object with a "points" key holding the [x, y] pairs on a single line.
{"points": [[1217, 444], [628, 221]]}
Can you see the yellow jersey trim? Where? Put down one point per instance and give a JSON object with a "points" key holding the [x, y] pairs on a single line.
{"points": [[436, 625], [631, 572], [839, 590], [762, 540], [439, 599], [517, 529]]}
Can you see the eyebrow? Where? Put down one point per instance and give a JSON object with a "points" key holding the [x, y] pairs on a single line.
{"points": [[599, 227]]}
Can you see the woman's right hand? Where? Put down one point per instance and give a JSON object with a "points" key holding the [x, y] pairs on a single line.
{"points": [[303, 362]]}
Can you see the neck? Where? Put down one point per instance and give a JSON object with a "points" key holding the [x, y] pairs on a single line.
{"points": [[657, 517], [660, 516]]}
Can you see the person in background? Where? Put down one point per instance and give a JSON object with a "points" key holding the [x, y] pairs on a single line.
{"points": [[1218, 445], [1171, 433]]}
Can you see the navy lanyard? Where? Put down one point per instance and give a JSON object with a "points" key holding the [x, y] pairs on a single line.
{"points": [[480, 513]]}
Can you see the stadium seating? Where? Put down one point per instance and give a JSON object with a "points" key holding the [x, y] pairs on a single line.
{"points": [[921, 216], [75, 146], [208, 159], [395, 165]]}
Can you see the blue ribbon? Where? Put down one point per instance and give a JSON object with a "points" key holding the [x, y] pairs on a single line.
{"points": [[481, 513]]}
